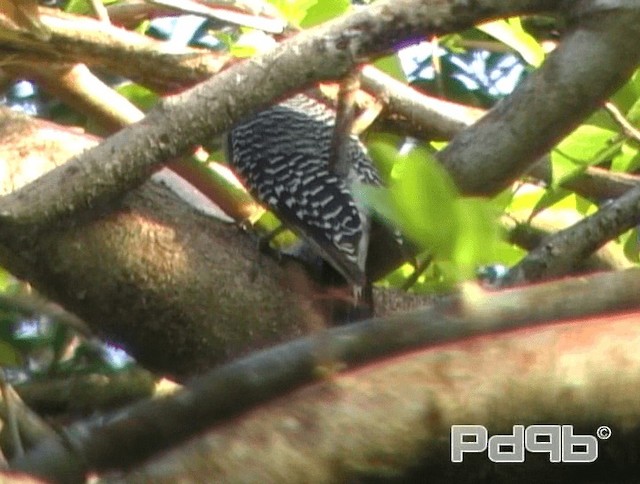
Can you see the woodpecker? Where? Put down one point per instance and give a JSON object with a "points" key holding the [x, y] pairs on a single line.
{"points": [[282, 155]]}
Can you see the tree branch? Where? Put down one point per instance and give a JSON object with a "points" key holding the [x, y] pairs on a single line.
{"points": [[391, 422], [126, 159], [594, 59], [179, 291], [227, 391], [77, 39], [559, 253], [96, 176], [438, 117]]}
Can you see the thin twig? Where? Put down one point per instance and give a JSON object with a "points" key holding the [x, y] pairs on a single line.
{"points": [[101, 11], [558, 254], [628, 129], [270, 25], [345, 116]]}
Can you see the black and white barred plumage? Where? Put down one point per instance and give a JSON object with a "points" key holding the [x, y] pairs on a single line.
{"points": [[282, 155]]}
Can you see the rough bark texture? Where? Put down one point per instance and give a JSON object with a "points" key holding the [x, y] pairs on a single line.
{"points": [[391, 422], [141, 237], [148, 428], [171, 129], [547, 105], [180, 290]]}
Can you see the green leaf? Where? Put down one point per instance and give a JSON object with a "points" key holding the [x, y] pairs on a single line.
{"points": [[61, 337], [324, 10], [534, 199], [422, 200], [143, 27], [419, 199], [627, 160], [9, 356], [586, 146], [552, 196], [78, 6], [441, 276], [526, 197], [511, 33], [627, 98], [634, 113], [602, 119], [423, 195], [503, 199], [225, 38], [377, 198], [631, 245], [293, 11], [453, 42], [391, 65], [251, 43], [7, 281], [478, 234], [139, 95], [83, 6], [508, 254], [584, 206], [384, 150]]}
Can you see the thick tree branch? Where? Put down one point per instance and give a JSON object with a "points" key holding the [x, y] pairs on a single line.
{"points": [[76, 39], [425, 115], [225, 392], [439, 117], [435, 118], [179, 291], [48, 268], [126, 159], [391, 422], [592, 61]]}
